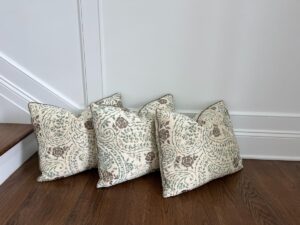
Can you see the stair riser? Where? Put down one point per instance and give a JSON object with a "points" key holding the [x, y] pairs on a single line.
{"points": [[16, 156]]}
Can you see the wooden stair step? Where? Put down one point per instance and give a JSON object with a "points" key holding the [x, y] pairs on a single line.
{"points": [[11, 134]]}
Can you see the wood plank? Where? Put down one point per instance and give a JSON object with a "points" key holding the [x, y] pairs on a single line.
{"points": [[11, 134], [264, 192], [17, 188], [50, 202], [247, 196], [288, 204]]}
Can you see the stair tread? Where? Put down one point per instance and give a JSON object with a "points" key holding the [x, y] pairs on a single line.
{"points": [[11, 134]]}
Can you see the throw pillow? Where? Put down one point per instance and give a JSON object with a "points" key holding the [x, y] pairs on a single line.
{"points": [[193, 153], [67, 143], [126, 141]]}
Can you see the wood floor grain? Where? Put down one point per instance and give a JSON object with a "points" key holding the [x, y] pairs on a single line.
{"points": [[263, 193]]}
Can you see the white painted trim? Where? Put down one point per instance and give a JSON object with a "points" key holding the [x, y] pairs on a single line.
{"points": [[239, 113], [89, 32], [82, 51], [13, 95], [267, 133], [12, 102], [101, 38], [246, 113], [270, 147], [20, 78], [264, 125], [271, 157], [9, 85], [265, 136], [16, 156], [265, 114]]}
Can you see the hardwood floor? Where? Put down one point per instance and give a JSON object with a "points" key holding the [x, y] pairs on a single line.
{"points": [[264, 192], [11, 134]]}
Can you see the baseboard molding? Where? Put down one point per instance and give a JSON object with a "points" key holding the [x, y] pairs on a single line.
{"points": [[265, 136], [13, 95], [16, 156], [271, 157], [30, 87], [14, 104], [269, 148]]}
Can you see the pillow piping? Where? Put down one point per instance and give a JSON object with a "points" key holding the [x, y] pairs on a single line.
{"points": [[41, 177]]}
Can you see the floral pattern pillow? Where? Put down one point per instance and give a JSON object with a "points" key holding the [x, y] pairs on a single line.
{"points": [[67, 143], [126, 141], [193, 153]]}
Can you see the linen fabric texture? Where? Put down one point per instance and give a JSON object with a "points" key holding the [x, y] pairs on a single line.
{"points": [[193, 152], [67, 144], [126, 141]]}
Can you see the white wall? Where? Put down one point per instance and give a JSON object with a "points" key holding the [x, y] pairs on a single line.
{"points": [[69, 53], [43, 37], [246, 52]]}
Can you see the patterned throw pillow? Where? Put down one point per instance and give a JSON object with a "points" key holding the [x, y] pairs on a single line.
{"points": [[126, 141], [193, 153], [67, 143]]}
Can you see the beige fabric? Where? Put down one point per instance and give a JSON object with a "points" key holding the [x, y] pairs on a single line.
{"points": [[193, 153], [126, 141], [66, 142]]}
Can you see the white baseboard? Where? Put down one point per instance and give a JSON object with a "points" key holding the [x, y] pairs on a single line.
{"points": [[14, 96], [270, 148], [29, 87], [16, 156]]}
